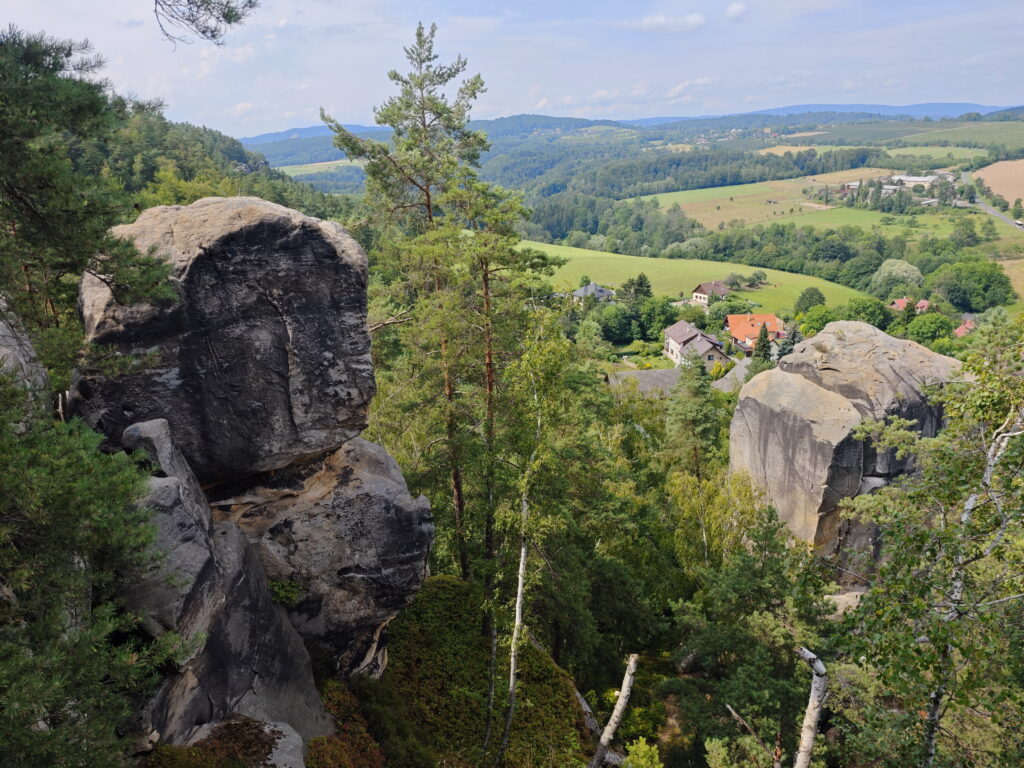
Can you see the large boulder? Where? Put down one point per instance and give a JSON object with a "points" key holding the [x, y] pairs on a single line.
{"points": [[792, 431], [243, 657], [263, 359], [344, 539]]}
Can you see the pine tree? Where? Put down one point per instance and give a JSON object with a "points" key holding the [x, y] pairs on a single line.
{"points": [[763, 347]]}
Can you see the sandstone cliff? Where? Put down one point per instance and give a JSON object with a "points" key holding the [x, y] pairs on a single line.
{"points": [[792, 431]]}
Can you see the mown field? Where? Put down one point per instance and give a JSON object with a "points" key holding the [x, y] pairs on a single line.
{"points": [[956, 154], [314, 168], [1009, 134], [675, 277], [1005, 178], [759, 202]]}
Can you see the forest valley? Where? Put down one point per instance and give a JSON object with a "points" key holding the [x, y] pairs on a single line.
{"points": [[583, 533]]}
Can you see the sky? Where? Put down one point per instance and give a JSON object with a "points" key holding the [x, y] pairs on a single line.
{"points": [[579, 58]]}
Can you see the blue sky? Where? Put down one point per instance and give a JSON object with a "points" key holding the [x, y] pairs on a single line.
{"points": [[586, 59]]}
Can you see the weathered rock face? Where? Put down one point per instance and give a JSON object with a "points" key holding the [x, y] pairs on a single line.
{"points": [[252, 389], [17, 355], [245, 658], [793, 425], [263, 359], [345, 533]]}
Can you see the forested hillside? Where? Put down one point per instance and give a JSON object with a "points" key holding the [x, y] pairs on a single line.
{"points": [[361, 485]]}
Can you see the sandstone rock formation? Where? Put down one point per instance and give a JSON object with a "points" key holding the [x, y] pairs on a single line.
{"points": [[17, 355], [244, 657], [263, 359], [250, 389], [792, 430], [344, 531]]}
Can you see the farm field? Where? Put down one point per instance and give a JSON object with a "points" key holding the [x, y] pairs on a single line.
{"points": [[312, 168], [938, 152], [1010, 134], [673, 277], [758, 202], [857, 133], [1005, 178], [1015, 271]]}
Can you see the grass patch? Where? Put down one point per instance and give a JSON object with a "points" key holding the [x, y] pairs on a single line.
{"points": [[672, 277], [1008, 134], [764, 201]]}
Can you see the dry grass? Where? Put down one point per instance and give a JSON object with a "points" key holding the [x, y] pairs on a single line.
{"points": [[1006, 178]]}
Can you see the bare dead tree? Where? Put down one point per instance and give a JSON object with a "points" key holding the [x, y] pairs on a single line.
{"points": [[620, 708], [815, 703]]}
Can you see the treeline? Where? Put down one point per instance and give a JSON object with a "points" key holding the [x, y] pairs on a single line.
{"points": [[655, 173]]}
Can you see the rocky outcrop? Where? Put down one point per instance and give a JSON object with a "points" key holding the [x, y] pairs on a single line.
{"points": [[250, 390], [792, 430], [243, 657], [17, 355], [264, 357], [344, 533]]}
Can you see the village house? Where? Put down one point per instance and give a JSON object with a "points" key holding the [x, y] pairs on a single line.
{"points": [[910, 181], [900, 305], [684, 340], [599, 292], [702, 293], [744, 329], [964, 328]]}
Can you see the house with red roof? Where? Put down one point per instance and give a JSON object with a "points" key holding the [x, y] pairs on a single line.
{"points": [[899, 305], [744, 329], [965, 327]]}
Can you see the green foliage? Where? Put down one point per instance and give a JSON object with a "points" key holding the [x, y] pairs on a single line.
{"points": [[285, 592], [972, 286], [640, 754], [352, 746], [430, 704], [71, 540], [763, 347], [894, 278], [811, 297], [867, 310], [55, 211], [740, 631], [926, 328], [934, 645], [206, 19], [816, 319]]}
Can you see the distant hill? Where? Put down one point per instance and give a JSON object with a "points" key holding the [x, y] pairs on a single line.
{"points": [[305, 133], [934, 110], [1013, 113]]}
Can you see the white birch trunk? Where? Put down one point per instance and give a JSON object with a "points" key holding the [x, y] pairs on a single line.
{"points": [[620, 708], [815, 703]]}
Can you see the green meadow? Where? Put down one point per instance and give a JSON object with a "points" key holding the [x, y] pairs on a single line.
{"points": [[675, 277]]}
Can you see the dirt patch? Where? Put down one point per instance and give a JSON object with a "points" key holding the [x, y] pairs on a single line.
{"points": [[817, 206], [1006, 178]]}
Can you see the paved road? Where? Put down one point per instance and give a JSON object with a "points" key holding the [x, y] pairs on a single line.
{"points": [[965, 177]]}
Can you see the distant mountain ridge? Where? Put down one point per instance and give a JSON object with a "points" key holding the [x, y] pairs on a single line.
{"points": [[934, 110], [304, 133]]}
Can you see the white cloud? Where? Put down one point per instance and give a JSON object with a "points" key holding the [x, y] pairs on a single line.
{"points": [[663, 23], [241, 108], [734, 10], [686, 84]]}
